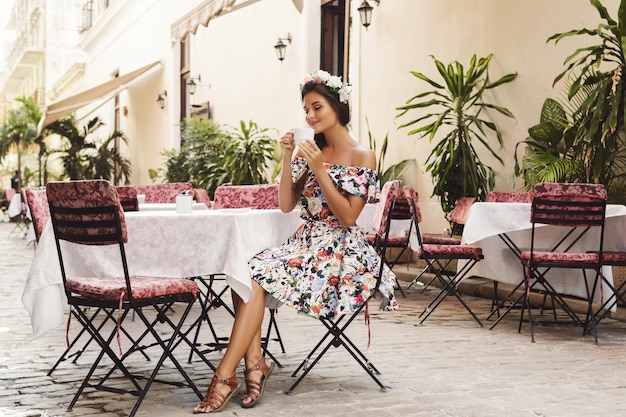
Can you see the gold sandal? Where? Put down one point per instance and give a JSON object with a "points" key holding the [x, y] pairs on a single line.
{"points": [[255, 389], [215, 400]]}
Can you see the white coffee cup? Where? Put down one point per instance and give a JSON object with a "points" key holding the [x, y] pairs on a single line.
{"points": [[141, 198], [300, 134]]}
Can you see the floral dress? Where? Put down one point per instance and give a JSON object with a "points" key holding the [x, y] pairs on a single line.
{"points": [[325, 269]]}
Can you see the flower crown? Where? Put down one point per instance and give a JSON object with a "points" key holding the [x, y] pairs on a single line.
{"points": [[333, 82]]}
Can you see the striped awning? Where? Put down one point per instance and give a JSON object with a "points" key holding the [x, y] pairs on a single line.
{"points": [[101, 92], [199, 15]]}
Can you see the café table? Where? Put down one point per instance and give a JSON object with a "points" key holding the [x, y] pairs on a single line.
{"points": [[161, 243], [490, 225]]}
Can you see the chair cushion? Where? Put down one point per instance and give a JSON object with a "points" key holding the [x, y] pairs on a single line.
{"points": [[440, 240], [567, 258], [114, 288], [614, 258], [258, 196], [451, 251]]}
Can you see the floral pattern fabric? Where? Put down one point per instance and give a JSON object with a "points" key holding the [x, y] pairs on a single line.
{"points": [[324, 269]]}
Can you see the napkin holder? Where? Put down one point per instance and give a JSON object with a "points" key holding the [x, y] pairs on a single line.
{"points": [[184, 203]]}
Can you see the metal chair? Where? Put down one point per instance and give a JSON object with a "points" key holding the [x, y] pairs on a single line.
{"points": [[442, 256], [457, 217], [578, 208], [89, 213], [336, 329], [163, 193], [128, 197]]}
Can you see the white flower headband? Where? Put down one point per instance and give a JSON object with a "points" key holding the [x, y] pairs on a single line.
{"points": [[333, 82]]}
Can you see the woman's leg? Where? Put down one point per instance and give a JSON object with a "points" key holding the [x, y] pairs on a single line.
{"points": [[245, 339]]}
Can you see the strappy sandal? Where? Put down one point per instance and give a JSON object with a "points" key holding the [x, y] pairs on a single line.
{"points": [[255, 389], [215, 400]]}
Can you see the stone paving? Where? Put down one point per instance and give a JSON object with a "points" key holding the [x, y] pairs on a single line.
{"points": [[449, 366]]}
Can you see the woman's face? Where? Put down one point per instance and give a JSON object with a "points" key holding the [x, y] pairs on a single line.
{"points": [[319, 114]]}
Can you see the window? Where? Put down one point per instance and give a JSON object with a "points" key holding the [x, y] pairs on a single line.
{"points": [[334, 34], [184, 78]]}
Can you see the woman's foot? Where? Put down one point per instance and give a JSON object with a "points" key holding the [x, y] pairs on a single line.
{"points": [[218, 394], [256, 377]]}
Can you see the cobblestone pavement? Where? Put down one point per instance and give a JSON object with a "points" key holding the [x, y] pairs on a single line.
{"points": [[449, 366]]}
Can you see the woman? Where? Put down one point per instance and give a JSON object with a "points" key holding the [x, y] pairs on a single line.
{"points": [[326, 267]]}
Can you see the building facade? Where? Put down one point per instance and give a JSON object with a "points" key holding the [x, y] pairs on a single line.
{"points": [[225, 48]]}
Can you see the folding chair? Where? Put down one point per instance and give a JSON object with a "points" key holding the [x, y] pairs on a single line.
{"points": [[457, 218], [336, 335], [128, 197], [202, 196], [579, 208], [37, 201], [442, 256], [21, 220], [258, 196], [400, 211], [163, 193], [509, 197], [89, 213]]}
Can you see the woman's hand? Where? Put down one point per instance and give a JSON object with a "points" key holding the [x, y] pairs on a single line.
{"points": [[313, 155], [287, 144]]}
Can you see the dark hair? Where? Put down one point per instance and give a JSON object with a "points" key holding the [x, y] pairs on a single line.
{"points": [[342, 109]]}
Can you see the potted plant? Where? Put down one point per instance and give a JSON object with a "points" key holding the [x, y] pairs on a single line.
{"points": [[211, 155], [458, 123]]}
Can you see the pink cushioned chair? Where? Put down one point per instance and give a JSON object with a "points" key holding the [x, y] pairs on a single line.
{"points": [[202, 196], [261, 196], [128, 197], [400, 211], [163, 193], [509, 197], [577, 208], [37, 201], [442, 256], [89, 213]]}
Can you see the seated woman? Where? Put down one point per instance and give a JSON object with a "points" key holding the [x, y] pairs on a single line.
{"points": [[326, 267]]}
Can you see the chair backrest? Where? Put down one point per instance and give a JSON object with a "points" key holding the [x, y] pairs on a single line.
{"points": [[412, 199], [8, 194], [202, 196], [163, 193], [509, 197], [128, 197], [261, 196], [461, 210], [565, 204], [37, 201], [86, 212], [382, 216]]}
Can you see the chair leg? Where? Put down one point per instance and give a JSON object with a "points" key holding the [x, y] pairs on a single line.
{"points": [[338, 338], [449, 287]]}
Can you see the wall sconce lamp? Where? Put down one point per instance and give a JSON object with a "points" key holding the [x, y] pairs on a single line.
{"points": [[192, 84], [281, 47], [161, 99], [365, 12]]}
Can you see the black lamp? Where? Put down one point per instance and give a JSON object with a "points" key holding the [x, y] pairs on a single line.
{"points": [[161, 99], [365, 12], [192, 84], [281, 47]]}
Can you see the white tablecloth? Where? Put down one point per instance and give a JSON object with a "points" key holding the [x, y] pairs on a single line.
{"points": [[487, 220], [160, 243]]}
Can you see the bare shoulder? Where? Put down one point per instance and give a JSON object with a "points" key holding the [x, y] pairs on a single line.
{"points": [[363, 157]]}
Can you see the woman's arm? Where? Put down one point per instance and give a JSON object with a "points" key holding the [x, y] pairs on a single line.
{"points": [[287, 198]]}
